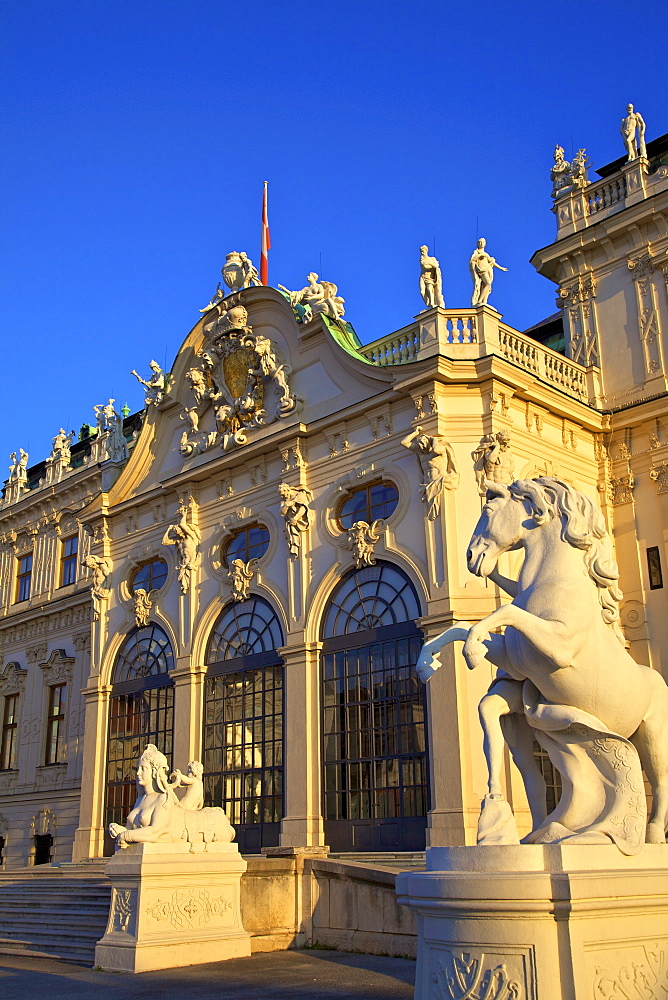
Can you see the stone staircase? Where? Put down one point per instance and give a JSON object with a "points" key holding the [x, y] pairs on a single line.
{"points": [[54, 911]]}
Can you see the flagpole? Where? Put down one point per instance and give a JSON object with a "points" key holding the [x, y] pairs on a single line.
{"points": [[266, 241]]}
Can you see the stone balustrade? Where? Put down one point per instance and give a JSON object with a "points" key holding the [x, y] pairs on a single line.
{"points": [[474, 333], [605, 193], [396, 349]]}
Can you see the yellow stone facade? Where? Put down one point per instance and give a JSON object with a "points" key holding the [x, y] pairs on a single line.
{"points": [[600, 423]]}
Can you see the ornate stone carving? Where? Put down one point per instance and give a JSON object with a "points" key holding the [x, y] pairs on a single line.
{"points": [[643, 977], [642, 269], [361, 539], [143, 604], [576, 714], [482, 267], [101, 567], [461, 975], [240, 575], [191, 907], [37, 652], [296, 514], [632, 124], [156, 386], [58, 668], [437, 465], [659, 475], [172, 823], [12, 679], [17, 483], [493, 460], [242, 377], [81, 641], [431, 283], [186, 537], [576, 298], [238, 271], [110, 432], [622, 488], [44, 822], [318, 297], [122, 914]]}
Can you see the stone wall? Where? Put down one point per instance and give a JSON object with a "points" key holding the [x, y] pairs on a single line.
{"points": [[351, 906]]}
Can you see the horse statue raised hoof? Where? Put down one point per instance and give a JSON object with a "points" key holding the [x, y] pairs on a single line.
{"points": [[564, 676]]}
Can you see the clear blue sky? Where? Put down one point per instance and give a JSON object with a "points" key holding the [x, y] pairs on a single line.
{"points": [[137, 136]]}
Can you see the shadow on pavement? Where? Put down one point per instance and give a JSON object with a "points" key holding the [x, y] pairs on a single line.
{"points": [[285, 975]]}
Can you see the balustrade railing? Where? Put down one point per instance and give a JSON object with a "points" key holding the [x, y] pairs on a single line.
{"points": [[393, 350], [605, 194], [468, 333]]}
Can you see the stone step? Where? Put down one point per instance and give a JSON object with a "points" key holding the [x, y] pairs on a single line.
{"points": [[81, 936], [27, 949]]}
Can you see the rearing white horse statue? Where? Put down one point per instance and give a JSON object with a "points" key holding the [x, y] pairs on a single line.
{"points": [[564, 675]]}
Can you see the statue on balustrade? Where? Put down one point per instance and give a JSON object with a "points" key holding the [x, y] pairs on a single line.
{"points": [[158, 816], [632, 124], [317, 297], [579, 170], [564, 676], [482, 267], [560, 174], [18, 470], [431, 283]]}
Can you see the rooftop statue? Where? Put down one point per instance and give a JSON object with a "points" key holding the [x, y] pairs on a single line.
{"points": [[156, 385], [579, 174], [239, 272], [630, 125], [318, 297], [563, 675], [431, 283], [482, 270], [18, 470], [61, 446], [158, 816], [560, 174]]}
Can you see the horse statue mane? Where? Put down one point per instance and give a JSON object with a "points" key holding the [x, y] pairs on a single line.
{"points": [[584, 528]]}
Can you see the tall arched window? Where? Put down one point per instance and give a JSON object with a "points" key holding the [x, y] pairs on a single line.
{"points": [[374, 752], [141, 711], [243, 722]]}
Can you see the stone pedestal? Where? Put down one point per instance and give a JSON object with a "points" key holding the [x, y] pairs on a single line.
{"points": [[170, 907], [540, 922]]}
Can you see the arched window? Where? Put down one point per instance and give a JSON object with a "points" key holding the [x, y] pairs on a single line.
{"points": [[374, 733], [149, 576], [243, 722], [141, 711], [368, 503]]}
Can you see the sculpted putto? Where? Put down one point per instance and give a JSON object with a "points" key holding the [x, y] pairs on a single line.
{"points": [[361, 539], [438, 466], [159, 817], [482, 271], [431, 283], [564, 676]]}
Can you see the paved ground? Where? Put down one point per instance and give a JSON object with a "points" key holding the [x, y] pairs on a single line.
{"points": [[278, 975]]}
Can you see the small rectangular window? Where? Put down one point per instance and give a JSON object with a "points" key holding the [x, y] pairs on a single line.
{"points": [[9, 723], [24, 577], [55, 725], [654, 568], [68, 560]]}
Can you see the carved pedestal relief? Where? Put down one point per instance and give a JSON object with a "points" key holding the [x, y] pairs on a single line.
{"points": [[460, 972], [577, 300], [642, 269]]}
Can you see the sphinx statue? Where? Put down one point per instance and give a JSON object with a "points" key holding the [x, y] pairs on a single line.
{"points": [[159, 816]]}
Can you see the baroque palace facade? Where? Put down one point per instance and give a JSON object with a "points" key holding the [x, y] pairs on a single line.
{"points": [[244, 572]]}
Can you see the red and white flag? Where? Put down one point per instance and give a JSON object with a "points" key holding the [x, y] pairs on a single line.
{"points": [[266, 241]]}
